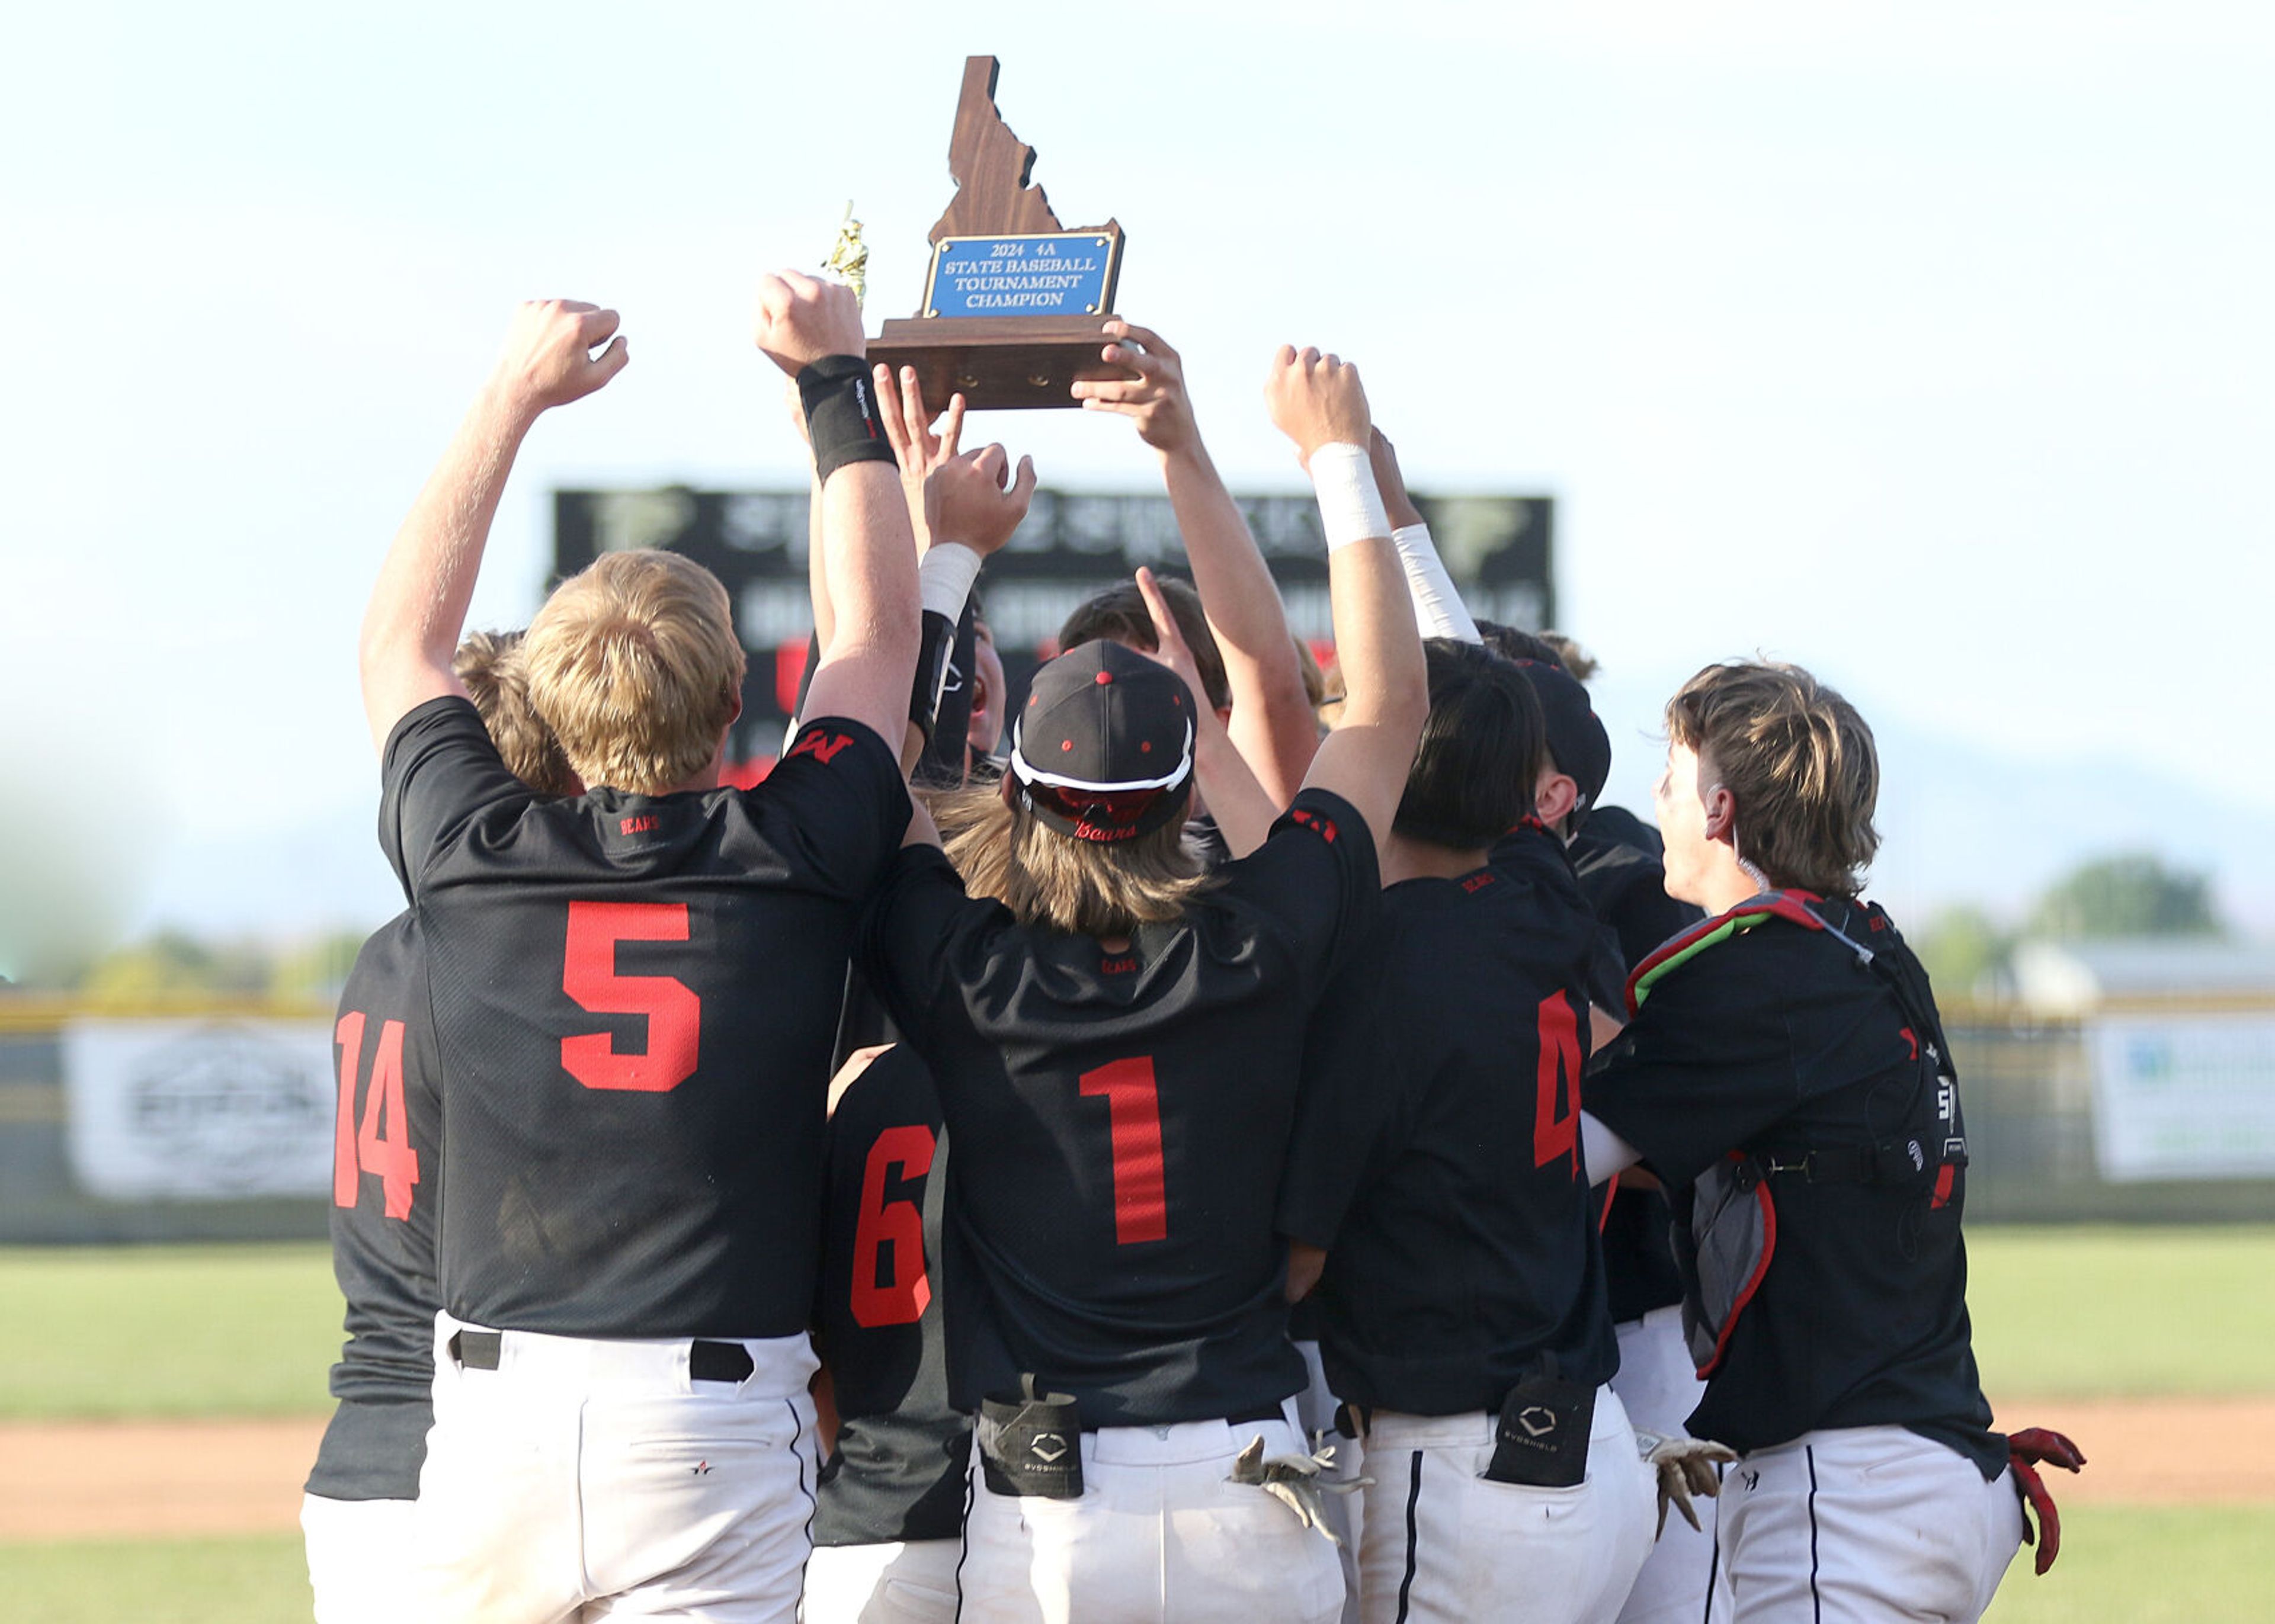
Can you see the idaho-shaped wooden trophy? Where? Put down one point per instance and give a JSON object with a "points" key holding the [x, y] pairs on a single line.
{"points": [[1015, 304]]}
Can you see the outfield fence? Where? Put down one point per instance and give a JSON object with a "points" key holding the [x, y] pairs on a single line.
{"points": [[246, 1089]]}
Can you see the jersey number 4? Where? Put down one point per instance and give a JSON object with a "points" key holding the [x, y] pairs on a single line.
{"points": [[1556, 1106], [588, 974], [1133, 1113], [379, 1142], [900, 1299]]}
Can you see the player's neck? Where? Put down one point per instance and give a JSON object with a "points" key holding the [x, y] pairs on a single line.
{"points": [[1726, 884], [1414, 859]]}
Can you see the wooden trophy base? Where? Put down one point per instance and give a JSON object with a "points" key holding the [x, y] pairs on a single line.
{"points": [[997, 363]]}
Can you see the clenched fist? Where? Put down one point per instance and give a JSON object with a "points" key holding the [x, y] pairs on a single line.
{"points": [[547, 359], [801, 319], [1316, 400]]}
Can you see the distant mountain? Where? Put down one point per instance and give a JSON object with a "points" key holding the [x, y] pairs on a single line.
{"points": [[1958, 825]]}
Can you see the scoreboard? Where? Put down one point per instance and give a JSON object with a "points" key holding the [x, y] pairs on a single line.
{"points": [[1498, 550]]}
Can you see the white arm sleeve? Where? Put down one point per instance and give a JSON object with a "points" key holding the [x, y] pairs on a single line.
{"points": [[1604, 1151], [1438, 607]]}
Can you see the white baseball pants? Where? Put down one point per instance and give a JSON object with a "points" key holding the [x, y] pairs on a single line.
{"points": [[901, 1582], [590, 1479], [359, 1556], [1159, 1537], [1862, 1525], [1660, 1387], [1445, 1546], [1315, 1412]]}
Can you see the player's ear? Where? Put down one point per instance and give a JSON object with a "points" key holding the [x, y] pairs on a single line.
{"points": [[734, 706], [1554, 797], [1721, 808]]}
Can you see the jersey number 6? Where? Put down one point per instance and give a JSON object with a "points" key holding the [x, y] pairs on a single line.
{"points": [[901, 1300], [674, 1014]]}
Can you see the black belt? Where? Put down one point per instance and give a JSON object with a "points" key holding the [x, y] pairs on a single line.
{"points": [[707, 1361], [1247, 1417]]}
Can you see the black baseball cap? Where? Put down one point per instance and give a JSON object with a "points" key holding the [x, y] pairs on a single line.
{"points": [[1103, 748], [1576, 740]]}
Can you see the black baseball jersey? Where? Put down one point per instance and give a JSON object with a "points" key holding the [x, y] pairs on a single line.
{"points": [[897, 1471], [1760, 1036], [1437, 1150], [1120, 1120], [1619, 859], [387, 1187], [1621, 867], [633, 999]]}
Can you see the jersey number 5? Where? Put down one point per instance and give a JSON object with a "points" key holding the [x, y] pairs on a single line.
{"points": [[901, 1300], [674, 1014], [1133, 1108], [367, 1146]]}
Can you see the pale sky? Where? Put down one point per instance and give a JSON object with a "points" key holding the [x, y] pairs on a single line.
{"points": [[1928, 345]]}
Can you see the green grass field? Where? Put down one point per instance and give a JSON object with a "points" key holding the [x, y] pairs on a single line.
{"points": [[163, 1331], [251, 1331], [2146, 1565]]}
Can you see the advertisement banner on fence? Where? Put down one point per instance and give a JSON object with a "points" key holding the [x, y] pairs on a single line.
{"points": [[199, 1109], [2184, 1096]]}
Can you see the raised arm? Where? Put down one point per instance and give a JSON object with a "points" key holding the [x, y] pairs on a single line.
{"points": [[1318, 402], [1272, 725], [1243, 810], [417, 607], [964, 506], [812, 330], [1438, 607]]}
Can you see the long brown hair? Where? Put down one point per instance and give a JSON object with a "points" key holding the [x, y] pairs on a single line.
{"points": [[1800, 763], [1082, 887]]}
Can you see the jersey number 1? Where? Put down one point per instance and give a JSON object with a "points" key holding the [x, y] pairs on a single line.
{"points": [[588, 974], [1133, 1109], [367, 1146]]}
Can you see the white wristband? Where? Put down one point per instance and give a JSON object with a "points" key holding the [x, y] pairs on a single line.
{"points": [[1351, 507], [1439, 611], [944, 577]]}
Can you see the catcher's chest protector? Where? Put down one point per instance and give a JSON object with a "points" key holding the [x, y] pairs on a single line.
{"points": [[1725, 1247]]}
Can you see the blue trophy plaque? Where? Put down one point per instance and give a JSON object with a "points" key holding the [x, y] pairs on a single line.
{"points": [[1064, 274], [1014, 306]]}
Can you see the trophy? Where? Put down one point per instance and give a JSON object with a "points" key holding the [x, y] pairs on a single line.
{"points": [[1015, 304]]}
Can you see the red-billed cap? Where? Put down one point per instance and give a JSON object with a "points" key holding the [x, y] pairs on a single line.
{"points": [[1103, 749]]}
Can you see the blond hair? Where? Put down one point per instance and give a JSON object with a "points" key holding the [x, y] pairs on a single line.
{"points": [[497, 680], [634, 663], [1082, 887], [1799, 762]]}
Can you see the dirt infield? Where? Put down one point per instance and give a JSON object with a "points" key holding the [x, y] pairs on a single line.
{"points": [[125, 1479]]}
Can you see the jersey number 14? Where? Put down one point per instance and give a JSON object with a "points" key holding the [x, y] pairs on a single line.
{"points": [[379, 1142]]}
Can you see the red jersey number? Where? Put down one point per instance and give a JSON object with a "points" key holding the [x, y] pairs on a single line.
{"points": [[902, 1299], [674, 1014], [1133, 1106], [1556, 1107], [379, 1142]]}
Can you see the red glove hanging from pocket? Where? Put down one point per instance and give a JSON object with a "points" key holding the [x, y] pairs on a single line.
{"points": [[2026, 1451]]}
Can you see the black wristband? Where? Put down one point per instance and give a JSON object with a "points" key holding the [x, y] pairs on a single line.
{"points": [[934, 648], [841, 418]]}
